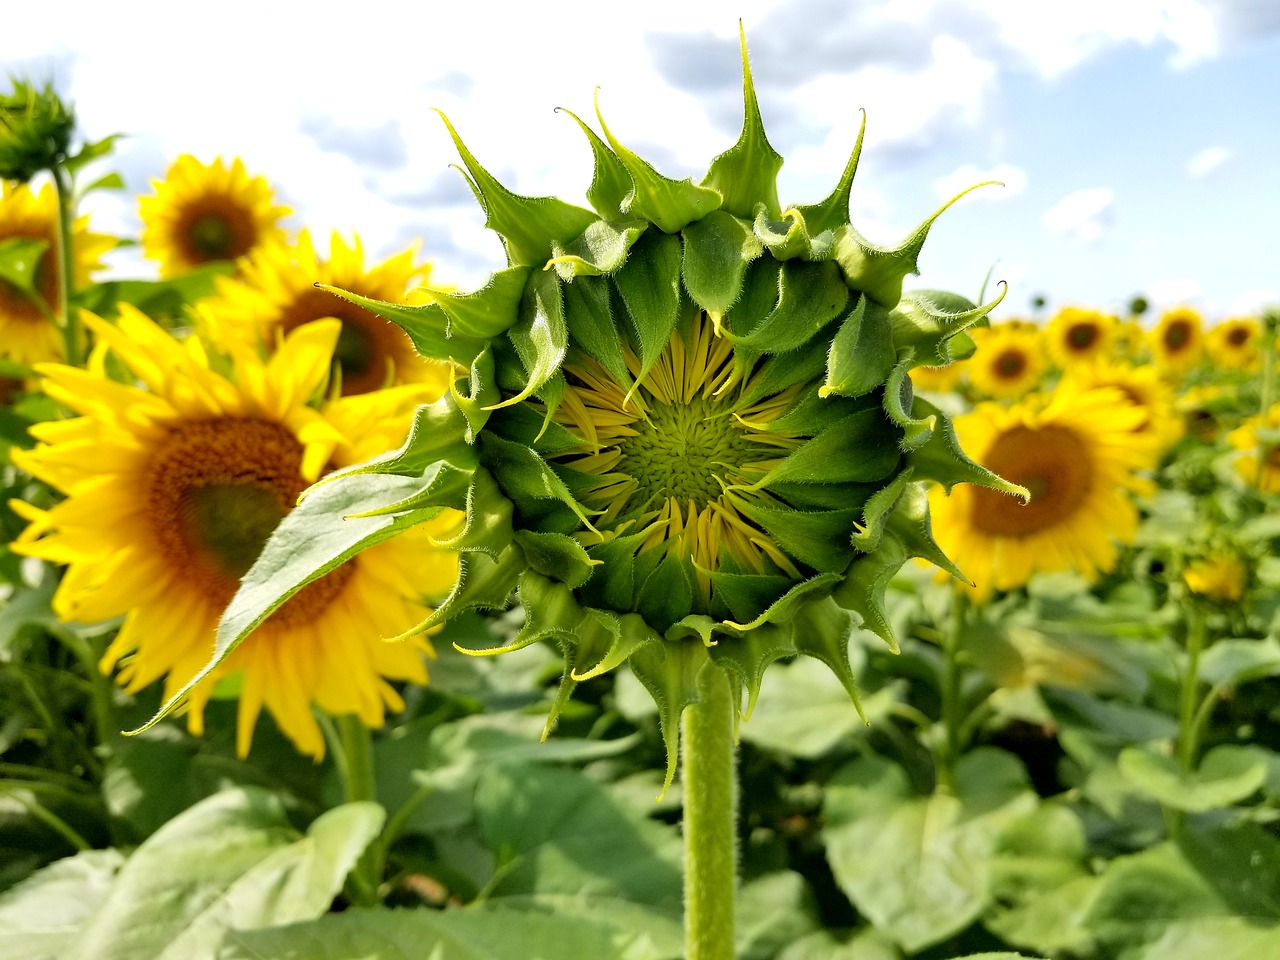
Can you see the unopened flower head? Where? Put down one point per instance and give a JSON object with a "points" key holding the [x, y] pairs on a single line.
{"points": [[35, 131]]}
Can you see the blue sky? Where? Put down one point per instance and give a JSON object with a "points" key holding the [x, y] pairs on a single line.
{"points": [[1138, 139]]}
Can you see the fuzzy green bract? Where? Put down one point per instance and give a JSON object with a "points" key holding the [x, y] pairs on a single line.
{"points": [[817, 324]]}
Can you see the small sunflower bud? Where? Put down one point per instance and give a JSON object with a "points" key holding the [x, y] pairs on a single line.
{"points": [[35, 131]]}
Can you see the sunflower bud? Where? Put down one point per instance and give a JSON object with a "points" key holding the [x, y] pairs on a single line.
{"points": [[687, 435], [35, 131]]}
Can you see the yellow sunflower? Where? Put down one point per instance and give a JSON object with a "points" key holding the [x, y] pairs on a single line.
{"points": [[1078, 455], [206, 213], [276, 293], [28, 332], [1131, 340], [1233, 343], [1076, 335], [172, 488], [1177, 341], [1009, 362], [1145, 389], [938, 379], [1258, 440], [1219, 576]]}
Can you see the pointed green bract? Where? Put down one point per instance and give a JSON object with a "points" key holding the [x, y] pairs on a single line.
{"points": [[683, 431]]}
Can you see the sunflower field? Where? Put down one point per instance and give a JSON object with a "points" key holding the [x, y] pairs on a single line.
{"points": [[691, 589]]}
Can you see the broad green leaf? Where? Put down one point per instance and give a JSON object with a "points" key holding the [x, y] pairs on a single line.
{"points": [[862, 352], [540, 336], [89, 152], [19, 258], [488, 311], [111, 181], [867, 944], [426, 324], [40, 917], [773, 910], [232, 861], [919, 868], [858, 449], [465, 934], [1214, 938], [810, 295], [158, 299], [1241, 861], [1226, 775], [588, 312], [330, 526], [601, 249], [717, 249], [1229, 663]]}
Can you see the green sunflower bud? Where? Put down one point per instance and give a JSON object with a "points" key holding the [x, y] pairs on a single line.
{"points": [[687, 433], [35, 131]]}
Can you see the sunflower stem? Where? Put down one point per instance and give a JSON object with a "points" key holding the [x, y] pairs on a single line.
{"points": [[354, 757], [67, 319], [950, 706], [710, 819], [1188, 732]]}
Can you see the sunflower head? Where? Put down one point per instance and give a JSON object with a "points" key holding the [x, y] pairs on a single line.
{"points": [[1009, 362], [207, 213], [1077, 453], [687, 436], [1219, 576], [1177, 341], [1258, 443], [1233, 343], [1076, 336], [1145, 389], [35, 131]]}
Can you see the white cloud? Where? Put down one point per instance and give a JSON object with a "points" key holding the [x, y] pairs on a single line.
{"points": [[1084, 214], [1254, 301], [1208, 161], [1173, 291], [1013, 178]]}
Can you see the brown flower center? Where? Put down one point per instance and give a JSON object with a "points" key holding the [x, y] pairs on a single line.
{"points": [[1238, 336], [218, 488], [1082, 336], [368, 349], [215, 228], [1010, 364], [1177, 335], [1052, 463]]}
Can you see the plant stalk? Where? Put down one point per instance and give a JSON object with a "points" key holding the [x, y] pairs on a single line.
{"points": [[1188, 728], [950, 690], [66, 317], [710, 819]]}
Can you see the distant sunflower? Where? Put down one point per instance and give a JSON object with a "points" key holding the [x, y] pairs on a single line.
{"points": [[1219, 576], [1078, 456], [1145, 389], [1177, 341], [1233, 343], [1076, 336], [1258, 440], [276, 293], [1202, 408], [1009, 362], [28, 333], [206, 213], [938, 379], [172, 489]]}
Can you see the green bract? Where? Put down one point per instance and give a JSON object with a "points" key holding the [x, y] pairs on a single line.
{"points": [[35, 131], [685, 435]]}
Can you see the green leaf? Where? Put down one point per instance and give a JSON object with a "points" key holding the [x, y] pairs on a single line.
{"points": [[230, 862], [649, 283], [668, 204], [1227, 775], [540, 336], [717, 249], [158, 299], [810, 295], [19, 258], [610, 182], [330, 526], [426, 324], [486, 312], [528, 226], [588, 312], [919, 868], [111, 181], [89, 152], [556, 555], [860, 448], [39, 918], [1219, 938], [1230, 663], [746, 174], [601, 249]]}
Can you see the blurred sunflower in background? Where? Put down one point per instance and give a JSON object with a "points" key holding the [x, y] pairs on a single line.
{"points": [[174, 485], [28, 331], [1145, 389], [1177, 341], [275, 294], [943, 379], [207, 213], [1219, 576], [1078, 455], [1076, 335], [1258, 440], [1009, 362], [1233, 343]]}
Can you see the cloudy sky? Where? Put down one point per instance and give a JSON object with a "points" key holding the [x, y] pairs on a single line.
{"points": [[1137, 139]]}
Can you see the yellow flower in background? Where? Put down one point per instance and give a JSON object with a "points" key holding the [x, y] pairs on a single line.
{"points": [[172, 488], [28, 333], [1258, 439], [1076, 335], [938, 379], [1220, 576], [1177, 341], [207, 213], [1009, 362], [1145, 389], [1233, 343], [276, 293], [1079, 457]]}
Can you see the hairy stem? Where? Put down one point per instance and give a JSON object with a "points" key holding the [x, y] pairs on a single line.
{"points": [[67, 318], [710, 819]]}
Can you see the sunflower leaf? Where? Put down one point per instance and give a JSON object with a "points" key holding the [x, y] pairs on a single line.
{"points": [[486, 312], [862, 353], [810, 295], [611, 184], [540, 337], [426, 324], [717, 249], [588, 313], [649, 283], [19, 257], [602, 248]]}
